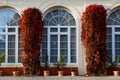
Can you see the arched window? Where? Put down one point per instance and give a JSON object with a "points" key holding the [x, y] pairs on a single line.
{"points": [[59, 36], [113, 35], [9, 22], [114, 18]]}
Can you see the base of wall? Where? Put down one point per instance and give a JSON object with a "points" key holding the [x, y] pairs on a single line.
{"points": [[53, 71]]}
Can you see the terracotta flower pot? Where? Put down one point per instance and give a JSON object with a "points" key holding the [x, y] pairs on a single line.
{"points": [[73, 73], [116, 73], [15, 73], [60, 73], [46, 73]]}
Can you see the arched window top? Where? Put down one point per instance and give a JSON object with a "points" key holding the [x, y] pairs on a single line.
{"points": [[59, 17], [114, 18], [8, 17]]}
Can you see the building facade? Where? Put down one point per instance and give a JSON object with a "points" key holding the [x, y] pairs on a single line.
{"points": [[62, 30]]}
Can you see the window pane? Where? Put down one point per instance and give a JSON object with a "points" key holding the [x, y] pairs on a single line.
{"points": [[44, 51], [2, 44], [73, 38], [53, 55], [63, 29], [117, 46], [2, 41], [54, 38], [65, 58], [73, 51], [9, 17], [2, 51], [53, 59], [109, 44], [11, 59], [11, 48], [43, 59], [53, 30], [59, 17], [63, 45], [54, 52], [109, 37], [2, 37], [73, 59], [117, 37], [11, 38], [53, 45], [109, 31], [44, 44], [64, 52], [63, 38], [11, 52], [2, 30], [45, 31], [114, 18], [44, 37], [73, 31], [73, 45], [72, 22], [11, 29]]}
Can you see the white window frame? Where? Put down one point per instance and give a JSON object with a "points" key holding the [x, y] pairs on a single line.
{"points": [[6, 45], [58, 33], [113, 38], [6, 33]]}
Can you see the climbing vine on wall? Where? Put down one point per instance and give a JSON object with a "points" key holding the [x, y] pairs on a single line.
{"points": [[31, 30], [93, 38]]}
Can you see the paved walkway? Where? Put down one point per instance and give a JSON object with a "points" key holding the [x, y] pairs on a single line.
{"points": [[59, 78]]}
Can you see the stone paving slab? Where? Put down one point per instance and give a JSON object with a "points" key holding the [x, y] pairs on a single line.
{"points": [[59, 78]]}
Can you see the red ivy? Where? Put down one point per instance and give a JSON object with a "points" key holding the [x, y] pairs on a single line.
{"points": [[31, 31], [94, 37]]}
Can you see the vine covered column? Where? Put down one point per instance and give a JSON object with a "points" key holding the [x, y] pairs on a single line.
{"points": [[31, 30], [94, 38]]}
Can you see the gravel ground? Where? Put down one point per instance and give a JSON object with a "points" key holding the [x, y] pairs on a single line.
{"points": [[59, 78]]}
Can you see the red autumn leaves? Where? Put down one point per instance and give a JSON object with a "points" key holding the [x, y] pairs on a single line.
{"points": [[31, 31], [93, 37]]}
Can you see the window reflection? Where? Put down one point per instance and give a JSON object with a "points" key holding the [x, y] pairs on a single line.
{"points": [[59, 16], [2, 37], [2, 29], [9, 21], [9, 17], [61, 36]]}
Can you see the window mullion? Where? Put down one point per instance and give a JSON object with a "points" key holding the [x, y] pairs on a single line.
{"points": [[48, 49], [113, 43], [69, 49], [6, 46], [58, 43], [16, 46]]}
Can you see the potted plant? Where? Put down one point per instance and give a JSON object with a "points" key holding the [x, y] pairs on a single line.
{"points": [[60, 64], [2, 56], [114, 66], [16, 72], [46, 66], [73, 71]]}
